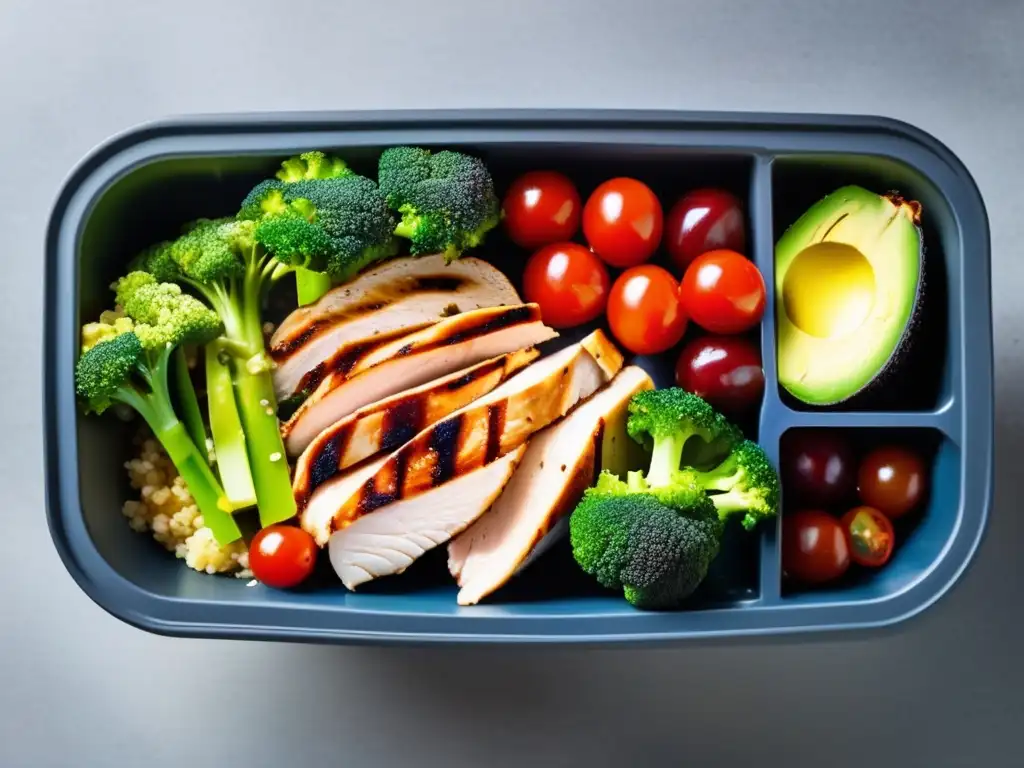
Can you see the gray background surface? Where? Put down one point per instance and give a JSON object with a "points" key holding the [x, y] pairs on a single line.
{"points": [[79, 688]]}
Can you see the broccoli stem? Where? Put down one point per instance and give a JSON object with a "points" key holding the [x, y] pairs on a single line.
{"points": [[228, 435], [257, 405], [665, 459], [731, 502], [188, 402], [310, 285], [155, 407]]}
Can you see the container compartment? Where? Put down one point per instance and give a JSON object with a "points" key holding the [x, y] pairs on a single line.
{"points": [[921, 534], [919, 376], [141, 186]]}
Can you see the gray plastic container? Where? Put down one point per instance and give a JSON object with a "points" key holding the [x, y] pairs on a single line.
{"points": [[141, 185]]}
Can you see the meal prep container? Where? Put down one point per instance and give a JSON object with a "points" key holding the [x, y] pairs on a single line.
{"points": [[142, 185]]}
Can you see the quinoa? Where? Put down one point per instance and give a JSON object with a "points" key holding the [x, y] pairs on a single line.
{"points": [[166, 509]]}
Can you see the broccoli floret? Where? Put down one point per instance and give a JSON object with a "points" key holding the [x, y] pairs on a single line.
{"points": [[654, 544], [132, 368], [664, 420], [323, 220], [222, 262], [446, 199], [746, 482]]}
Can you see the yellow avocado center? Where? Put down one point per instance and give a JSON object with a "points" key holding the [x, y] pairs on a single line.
{"points": [[829, 289]]}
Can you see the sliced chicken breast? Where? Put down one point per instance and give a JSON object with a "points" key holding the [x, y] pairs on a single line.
{"points": [[445, 347], [560, 463], [394, 537], [388, 423], [401, 294], [472, 437]]}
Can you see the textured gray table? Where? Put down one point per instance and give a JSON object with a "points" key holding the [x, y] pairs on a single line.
{"points": [[79, 688]]}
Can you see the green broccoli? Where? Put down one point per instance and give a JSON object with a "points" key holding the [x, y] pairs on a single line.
{"points": [[221, 261], [147, 301], [655, 544], [746, 482], [132, 368], [664, 420], [655, 535], [446, 199], [326, 221]]}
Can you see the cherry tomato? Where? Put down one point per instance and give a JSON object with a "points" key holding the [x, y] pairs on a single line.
{"points": [[644, 311], [541, 207], [814, 548], [568, 282], [818, 466], [704, 220], [869, 535], [724, 370], [723, 292], [892, 479], [282, 556], [623, 222]]}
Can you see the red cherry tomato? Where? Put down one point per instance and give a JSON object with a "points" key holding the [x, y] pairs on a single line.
{"points": [[623, 222], [723, 292], [870, 536], [724, 370], [892, 479], [818, 466], [568, 282], [814, 548], [704, 220], [282, 556], [541, 207], [644, 311]]}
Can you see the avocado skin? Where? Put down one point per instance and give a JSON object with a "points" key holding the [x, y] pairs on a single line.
{"points": [[919, 353]]}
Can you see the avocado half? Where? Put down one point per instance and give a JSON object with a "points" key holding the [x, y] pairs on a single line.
{"points": [[848, 285]]}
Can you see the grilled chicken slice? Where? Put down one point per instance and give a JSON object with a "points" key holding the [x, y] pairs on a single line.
{"points": [[403, 294], [443, 348], [560, 463], [392, 538], [388, 423], [472, 437]]}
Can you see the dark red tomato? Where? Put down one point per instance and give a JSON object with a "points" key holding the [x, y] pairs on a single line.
{"points": [[814, 547], [568, 282], [892, 479], [724, 370], [869, 535], [644, 311], [723, 292], [704, 220], [282, 556], [541, 207], [818, 466], [623, 222]]}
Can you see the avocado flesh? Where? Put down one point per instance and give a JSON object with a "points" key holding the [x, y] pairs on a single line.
{"points": [[847, 283]]}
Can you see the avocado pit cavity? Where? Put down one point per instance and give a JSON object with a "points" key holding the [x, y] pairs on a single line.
{"points": [[829, 289]]}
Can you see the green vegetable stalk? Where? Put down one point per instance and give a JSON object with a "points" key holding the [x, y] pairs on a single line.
{"points": [[231, 454], [188, 402]]}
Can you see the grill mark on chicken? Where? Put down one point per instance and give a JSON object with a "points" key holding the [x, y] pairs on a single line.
{"points": [[507, 319], [402, 422], [341, 363], [326, 465], [398, 289], [495, 428], [444, 444]]}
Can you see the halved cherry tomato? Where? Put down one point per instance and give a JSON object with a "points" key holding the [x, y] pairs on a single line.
{"points": [[568, 282], [723, 292], [870, 536], [644, 310], [814, 547], [282, 556], [541, 207], [623, 221]]}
